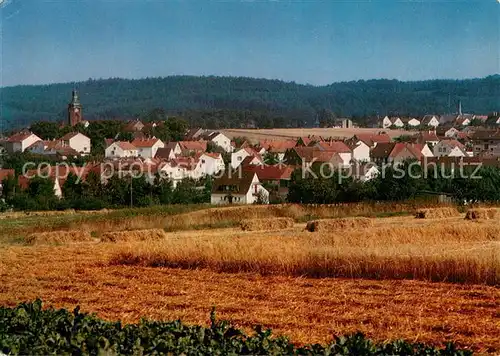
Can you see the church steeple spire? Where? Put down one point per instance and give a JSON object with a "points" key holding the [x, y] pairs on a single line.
{"points": [[74, 109]]}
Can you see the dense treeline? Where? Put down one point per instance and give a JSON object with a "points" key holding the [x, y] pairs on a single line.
{"points": [[396, 184], [482, 185], [234, 101], [91, 194], [30, 329]]}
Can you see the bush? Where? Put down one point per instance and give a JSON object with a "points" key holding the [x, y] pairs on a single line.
{"points": [[28, 329]]}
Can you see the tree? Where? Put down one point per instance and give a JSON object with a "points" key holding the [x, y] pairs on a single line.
{"points": [[177, 128], [9, 185], [45, 130]]}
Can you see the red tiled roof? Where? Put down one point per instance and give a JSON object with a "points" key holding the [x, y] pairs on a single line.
{"points": [[278, 146], [125, 145], [414, 149], [214, 155], [334, 146], [454, 143], [309, 154], [371, 139], [193, 145], [19, 137], [145, 142], [266, 172]]}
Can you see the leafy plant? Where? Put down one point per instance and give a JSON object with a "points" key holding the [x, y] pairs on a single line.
{"points": [[30, 329]]}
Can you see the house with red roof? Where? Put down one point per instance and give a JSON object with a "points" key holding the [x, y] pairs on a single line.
{"points": [[449, 148], [20, 142], [238, 188], [181, 168], [147, 147], [211, 163], [121, 149], [279, 147], [339, 147], [428, 137], [240, 155], [192, 147], [395, 153], [276, 178], [372, 140], [360, 149], [77, 141], [133, 126], [306, 156]]}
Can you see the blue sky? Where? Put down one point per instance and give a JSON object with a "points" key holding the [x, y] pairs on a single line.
{"points": [[316, 42]]}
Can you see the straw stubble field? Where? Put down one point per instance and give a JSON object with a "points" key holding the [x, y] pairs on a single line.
{"points": [[374, 277]]}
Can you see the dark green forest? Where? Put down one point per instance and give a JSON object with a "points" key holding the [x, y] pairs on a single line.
{"points": [[216, 102]]}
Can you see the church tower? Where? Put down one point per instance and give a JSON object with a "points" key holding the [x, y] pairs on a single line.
{"points": [[74, 110]]}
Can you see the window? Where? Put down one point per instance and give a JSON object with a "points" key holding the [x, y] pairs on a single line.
{"points": [[239, 158], [202, 161]]}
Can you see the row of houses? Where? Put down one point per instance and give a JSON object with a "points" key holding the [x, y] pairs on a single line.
{"points": [[451, 120], [71, 144], [362, 154]]}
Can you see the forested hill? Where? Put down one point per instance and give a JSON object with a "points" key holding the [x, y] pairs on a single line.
{"points": [[291, 104]]}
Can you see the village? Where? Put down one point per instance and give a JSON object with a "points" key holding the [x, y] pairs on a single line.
{"points": [[264, 166]]}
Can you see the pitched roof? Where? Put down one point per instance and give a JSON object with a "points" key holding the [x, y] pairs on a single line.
{"points": [[233, 182], [309, 154], [413, 149], [277, 146], [69, 136], [125, 145], [266, 172], [19, 137], [193, 134], [163, 152], [427, 118], [145, 142], [134, 125], [171, 144], [248, 159], [193, 145], [334, 146], [448, 119], [426, 136], [453, 143], [214, 155], [382, 150], [486, 135], [371, 139]]}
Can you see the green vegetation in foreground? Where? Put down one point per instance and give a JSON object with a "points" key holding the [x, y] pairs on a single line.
{"points": [[28, 329]]}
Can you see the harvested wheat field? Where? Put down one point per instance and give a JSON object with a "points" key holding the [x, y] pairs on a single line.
{"points": [[255, 135], [424, 280], [307, 310], [338, 224], [437, 213], [267, 224], [132, 235], [483, 214], [58, 237]]}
